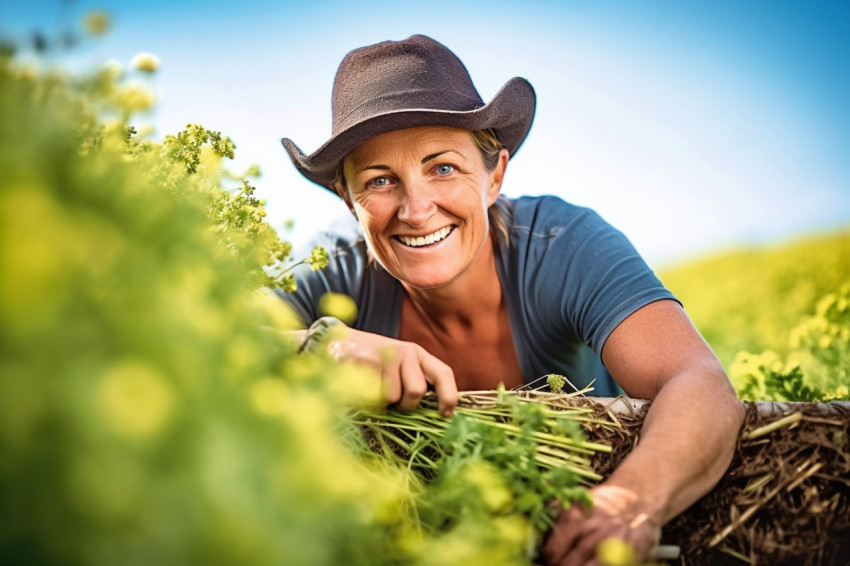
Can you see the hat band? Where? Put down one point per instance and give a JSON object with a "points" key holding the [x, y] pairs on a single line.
{"points": [[420, 99]]}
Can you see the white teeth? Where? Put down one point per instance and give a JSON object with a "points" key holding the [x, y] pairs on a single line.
{"points": [[426, 240]]}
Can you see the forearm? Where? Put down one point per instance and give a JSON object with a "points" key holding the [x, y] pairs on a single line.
{"points": [[686, 443]]}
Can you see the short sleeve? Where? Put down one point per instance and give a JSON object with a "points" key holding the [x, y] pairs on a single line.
{"points": [[587, 276]]}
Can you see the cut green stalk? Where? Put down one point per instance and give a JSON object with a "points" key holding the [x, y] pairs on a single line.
{"points": [[758, 483], [775, 425], [556, 463], [734, 554], [566, 442], [425, 428], [531, 444]]}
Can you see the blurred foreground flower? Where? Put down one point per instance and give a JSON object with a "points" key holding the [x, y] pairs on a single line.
{"points": [[134, 97], [615, 552], [339, 306], [113, 69], [145, 62], [96, 22]]}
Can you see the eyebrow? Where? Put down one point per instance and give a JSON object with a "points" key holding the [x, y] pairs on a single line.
{"points": [[428, 158], [425, 160], [367, 167]]}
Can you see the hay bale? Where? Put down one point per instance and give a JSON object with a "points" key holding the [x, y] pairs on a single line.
{"points": [[785, 498]]}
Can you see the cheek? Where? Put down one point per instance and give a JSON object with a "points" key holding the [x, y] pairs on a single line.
{"points": [[373, 218]]}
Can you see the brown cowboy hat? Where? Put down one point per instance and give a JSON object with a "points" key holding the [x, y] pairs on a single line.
{"points": [[394, 85]]}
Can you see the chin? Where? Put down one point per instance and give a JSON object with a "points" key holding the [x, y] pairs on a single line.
{"points": [[424, 281]]}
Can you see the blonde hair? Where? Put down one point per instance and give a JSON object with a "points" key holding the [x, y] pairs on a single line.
{"points": [[499, 213]]}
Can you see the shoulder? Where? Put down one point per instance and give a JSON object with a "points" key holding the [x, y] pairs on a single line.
{"points": [[577, 270], [549, 215], [543, 222]]}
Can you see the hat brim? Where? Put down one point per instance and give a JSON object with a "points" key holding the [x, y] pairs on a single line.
{"points": [[510, 114]]}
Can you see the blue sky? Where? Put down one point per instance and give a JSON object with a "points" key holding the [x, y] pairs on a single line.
{"points": [[691, 126]]}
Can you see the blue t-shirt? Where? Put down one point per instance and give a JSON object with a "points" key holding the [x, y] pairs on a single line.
{"points": [[568, 278]]}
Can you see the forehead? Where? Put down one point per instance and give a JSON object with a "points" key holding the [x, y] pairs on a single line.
{"points": [[414, 141]]}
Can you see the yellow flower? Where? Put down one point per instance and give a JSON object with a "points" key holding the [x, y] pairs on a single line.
{"points": [[491, 488], [96, 22], [615, 552], [135, 97], [134, 400], [145, 62], [338, 305], [268, 396], [113, 69]]}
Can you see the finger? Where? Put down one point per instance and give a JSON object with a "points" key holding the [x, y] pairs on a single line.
{"points": [[599, 529], [585, 551], [564, 535], [413, 384], [645, 544], [442, 378], [392, 383], [340, 350]]}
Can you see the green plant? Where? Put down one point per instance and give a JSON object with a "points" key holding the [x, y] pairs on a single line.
{"points": [[820, 344], [748, 299], [765, 377], [508, 455], [816, 367]]}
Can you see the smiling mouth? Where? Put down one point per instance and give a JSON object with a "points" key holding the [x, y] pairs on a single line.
{"points": [[420, 241]]}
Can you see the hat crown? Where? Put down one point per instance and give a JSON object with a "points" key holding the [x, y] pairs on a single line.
{"points": [[417, 73]]}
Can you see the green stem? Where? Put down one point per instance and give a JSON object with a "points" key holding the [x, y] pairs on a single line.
{"points": [[552, 463], [775, 425]]}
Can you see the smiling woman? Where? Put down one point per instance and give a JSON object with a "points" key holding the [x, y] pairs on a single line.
{"points": [[449, 302]]}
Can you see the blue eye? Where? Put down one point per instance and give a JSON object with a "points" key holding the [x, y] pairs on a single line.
{"points": [[379, 182], [444, 169]]}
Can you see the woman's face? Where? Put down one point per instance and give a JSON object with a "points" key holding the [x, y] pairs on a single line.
{"points": [[421, 196]]}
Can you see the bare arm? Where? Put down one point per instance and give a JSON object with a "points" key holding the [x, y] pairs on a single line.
{"points": [[686, 443]]}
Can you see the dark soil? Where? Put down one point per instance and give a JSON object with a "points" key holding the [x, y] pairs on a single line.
{"points": [[785, 498]]}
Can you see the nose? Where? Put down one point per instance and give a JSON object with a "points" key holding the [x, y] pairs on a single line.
{"points": [[417, 204]]}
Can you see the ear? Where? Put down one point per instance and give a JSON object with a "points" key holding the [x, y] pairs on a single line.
{"points": [[497, 175]]}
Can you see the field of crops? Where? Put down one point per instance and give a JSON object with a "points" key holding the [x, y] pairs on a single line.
{"points": [[769, 310], [154, 411]]}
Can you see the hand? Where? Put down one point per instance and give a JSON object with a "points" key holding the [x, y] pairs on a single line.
{"points": [[617, 513], [407, 368]]}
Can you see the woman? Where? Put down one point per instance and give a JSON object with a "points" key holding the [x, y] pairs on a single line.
{"points": [[459, 288]]}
